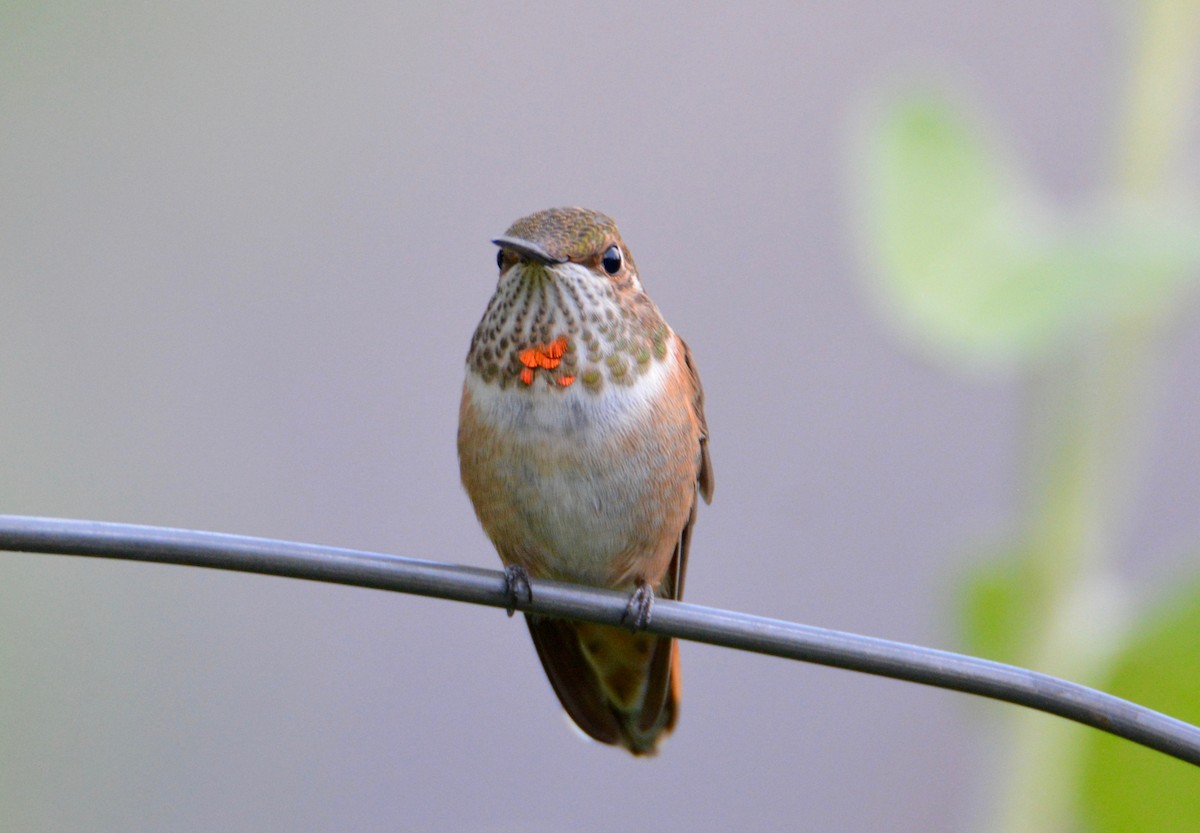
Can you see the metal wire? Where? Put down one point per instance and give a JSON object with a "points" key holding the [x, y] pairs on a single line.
{"points": [[686, 621]]}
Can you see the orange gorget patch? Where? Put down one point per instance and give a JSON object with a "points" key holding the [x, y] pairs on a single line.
{"points": [[546, 356]]}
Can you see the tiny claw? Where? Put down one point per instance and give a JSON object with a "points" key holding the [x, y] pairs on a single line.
{"points": [[637, 610], [516, 586]]}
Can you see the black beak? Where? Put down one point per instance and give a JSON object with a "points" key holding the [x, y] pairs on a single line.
{"points": [[528, 250]]}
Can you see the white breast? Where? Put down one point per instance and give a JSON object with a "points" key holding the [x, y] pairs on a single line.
{"points": [[573, 479], [575, 413]]}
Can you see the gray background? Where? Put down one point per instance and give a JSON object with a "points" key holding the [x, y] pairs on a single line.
{"points": [[242, 250]]}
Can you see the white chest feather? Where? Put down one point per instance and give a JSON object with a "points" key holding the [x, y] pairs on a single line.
{"points": [[574, 483], [574, 414]]}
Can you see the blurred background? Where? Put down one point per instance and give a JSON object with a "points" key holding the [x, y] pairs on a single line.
{"points": [[243, 247]]}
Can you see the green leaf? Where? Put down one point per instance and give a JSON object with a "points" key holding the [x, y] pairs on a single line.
{"points": [[1127, 787], [999, 606], [1135, 257], [973, 264]]}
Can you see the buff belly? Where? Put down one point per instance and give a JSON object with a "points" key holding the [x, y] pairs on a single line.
{"points": [[577, 485]]}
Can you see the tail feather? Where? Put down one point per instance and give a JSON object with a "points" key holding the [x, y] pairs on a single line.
{"points": [[620, 688], [661, 704], [558, 649]]}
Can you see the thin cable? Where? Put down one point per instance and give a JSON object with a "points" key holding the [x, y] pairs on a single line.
{"points": [[838, 649]]}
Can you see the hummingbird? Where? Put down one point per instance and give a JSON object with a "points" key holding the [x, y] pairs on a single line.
{"points": [[583, 447]]}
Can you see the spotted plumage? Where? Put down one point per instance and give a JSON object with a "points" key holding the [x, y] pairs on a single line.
{"points": [[611, 324], [583, 446]]}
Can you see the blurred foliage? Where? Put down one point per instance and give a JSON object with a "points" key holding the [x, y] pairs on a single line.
{"points": [[974, 263], [999, 599], [979, 269], [1126, 787]]}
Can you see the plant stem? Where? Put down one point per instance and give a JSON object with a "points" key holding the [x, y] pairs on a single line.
{"points": [[1091, 413]]}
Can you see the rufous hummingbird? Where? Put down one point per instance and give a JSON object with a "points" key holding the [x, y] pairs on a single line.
{"points": [[583, 446]]}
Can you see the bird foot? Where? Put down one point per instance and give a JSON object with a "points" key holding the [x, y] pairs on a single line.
{"points": [[516, 587], [637, 610]]}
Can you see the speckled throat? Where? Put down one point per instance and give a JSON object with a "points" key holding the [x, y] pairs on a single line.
{"points": [[552, 325]]}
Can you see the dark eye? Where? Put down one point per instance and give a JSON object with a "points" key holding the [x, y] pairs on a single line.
{"points": [[611, 260], [500, 259]]}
